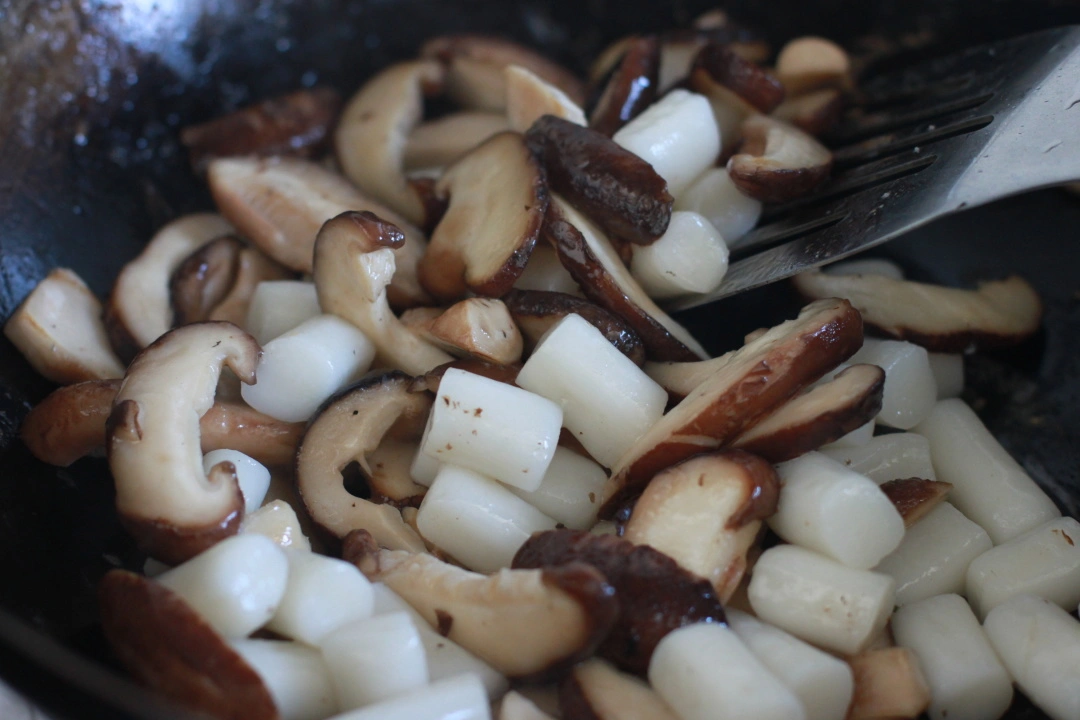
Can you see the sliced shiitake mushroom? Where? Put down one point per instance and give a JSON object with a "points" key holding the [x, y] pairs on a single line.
{"points": [[594, 690], [371, 137], [440, 142], [619, 191], [941, 319], [58, 329], [527, 624], [203, 279], [810, 63], [756, 379], [748, 80], [480, 328], [706, 512], [69, 424], [498, 197], [475, 65], [680, 378], [529, 97], [592, 261], [821, 415], [815, 113], [888, 684], [139, 310], [915, 497], [654, 594], [252, 267], [777, 161], [348, 429], [167, 646], [631, 86], [535, 311], [354, 265], [298, 123], [280, 204], [170, 506]]}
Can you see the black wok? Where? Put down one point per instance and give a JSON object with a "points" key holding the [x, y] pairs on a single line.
{"points": [[92, 94]]}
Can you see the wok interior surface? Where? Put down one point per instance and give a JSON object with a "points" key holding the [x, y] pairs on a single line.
{"points": [[92, 95]]}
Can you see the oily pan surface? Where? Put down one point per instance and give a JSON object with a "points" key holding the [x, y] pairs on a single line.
{"points": [[92, 95]]}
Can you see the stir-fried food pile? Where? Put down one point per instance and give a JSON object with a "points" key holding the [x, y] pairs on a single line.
{"points": [[404, 425]]}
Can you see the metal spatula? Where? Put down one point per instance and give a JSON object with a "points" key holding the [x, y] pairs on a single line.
{"points": [[953, 134]]}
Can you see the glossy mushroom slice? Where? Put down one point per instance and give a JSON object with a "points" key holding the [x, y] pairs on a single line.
{"points": [[941, 319], [252, 267], [535, 311], [527, 624], [280, 204], [618, 190], [139, 309], [440, 142], [737, 89], [171, 649], [475, 65], [529, 97], [777, 161], [758, 378], [590, 258], [655, 595], [58, 329], [348, 429], [594, 690], [631, 85], [680, 378], [498, 197], [173, 509], [354, 265], [821, 415], [370, 138], [203, 279], [481, 328], [706, 512], [915, 497], [298, 123], [69, 424]]}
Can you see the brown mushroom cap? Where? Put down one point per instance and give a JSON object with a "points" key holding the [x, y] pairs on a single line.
{"points": [[618, 190], [757, 379], [348, 428], [594, 690], [941, 319], [680, 378], [706, 512], [594, 264], [354, 265], [252, 268], [69, 424], [475, 65], [655, 595], [298, 123], [440, 142], [535, 311], [749, 81], [778, 162], [915, 497], [139, 310], [631, 87], [58, 329], [171, 649], [371, 137], [164, 499], [498, 197], [527, 624], [819, 416], [280, 204], [203, 279]]}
